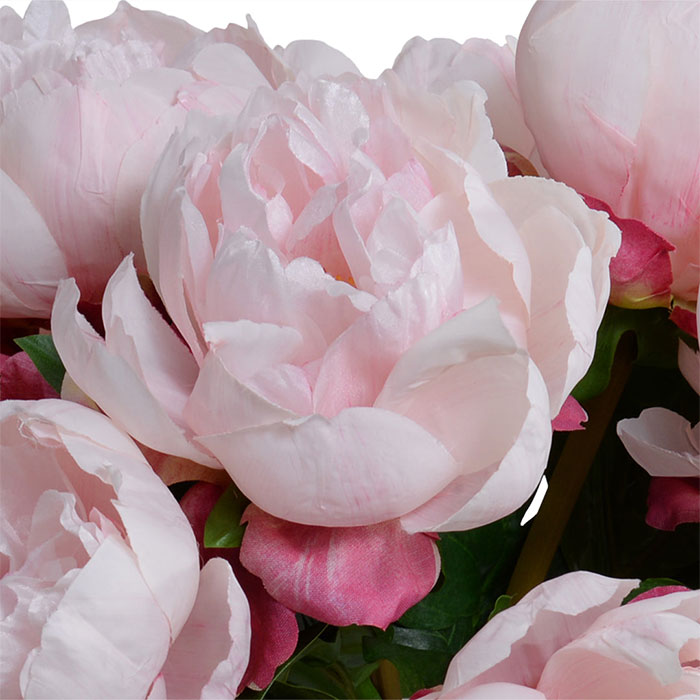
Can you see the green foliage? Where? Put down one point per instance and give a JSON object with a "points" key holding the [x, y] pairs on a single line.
{"points": [[647, 585], [502, 602], [476, 567], [223, 527], [328, 663], [42, 352], [657, 345]]}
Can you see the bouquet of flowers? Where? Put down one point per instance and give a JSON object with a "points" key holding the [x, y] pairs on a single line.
{"points": [[287, 351]]}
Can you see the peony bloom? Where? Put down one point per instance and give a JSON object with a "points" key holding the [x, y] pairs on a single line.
{"points": [[84, 116], [101, 589], [439, 63], [668, 447], [377, 322], [569, 638], [610, 93]]}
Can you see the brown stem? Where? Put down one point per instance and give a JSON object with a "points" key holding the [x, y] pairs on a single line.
{"points": [[386, 679], [568, 477]]}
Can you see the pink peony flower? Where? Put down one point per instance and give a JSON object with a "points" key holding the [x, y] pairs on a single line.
{"points": [[439, 63], [569, 638], [101, 590], [85, 114], [378, 323], [610, 93], [667, 446]]}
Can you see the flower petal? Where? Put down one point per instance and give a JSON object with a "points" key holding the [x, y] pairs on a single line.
{"points": [[210, 655], [362, 466], [343, 576]]}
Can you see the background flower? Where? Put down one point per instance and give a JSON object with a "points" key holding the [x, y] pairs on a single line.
{"points": [[570, 638], [609, 91], [100, 578]]}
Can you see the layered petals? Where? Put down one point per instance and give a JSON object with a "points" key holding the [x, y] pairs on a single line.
{"points": [[92, 542], [569, 638]]}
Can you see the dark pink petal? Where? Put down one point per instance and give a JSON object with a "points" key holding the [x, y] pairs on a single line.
{"points": [[658, 592], [342, 575], [20, 379], [640, 273], [672, 501], [570, 416], [273, 626], [685, 319]]}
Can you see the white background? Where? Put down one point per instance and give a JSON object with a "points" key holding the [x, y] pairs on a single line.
{"points": [[370, 32]]}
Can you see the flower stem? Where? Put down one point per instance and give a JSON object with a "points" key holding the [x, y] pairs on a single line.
{"points": [[568, 478]]}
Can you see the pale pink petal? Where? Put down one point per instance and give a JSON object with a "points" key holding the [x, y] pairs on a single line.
{"points": [[516, 644], [127, 23], [635, 651], [463, 374], [210, 655], [493, 691], [316, 59], [685, 319], [32, 264], [672, 501], [20, 379], [111, 382], [364, 576], [475, 499], [662, 442], [135, 331], [569, 248], [602, 136], [159, 537], [362, 466], [88, 130], [274, 630], [356, 365], [107, 620], [570, 416], [438, 63], [689, 365]]}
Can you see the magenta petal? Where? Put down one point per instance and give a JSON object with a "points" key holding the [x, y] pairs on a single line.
{"points": [[20, 379], [685, 319], [672, 501], [570, 416], [657, 592], [640, 273], [351, 575]]}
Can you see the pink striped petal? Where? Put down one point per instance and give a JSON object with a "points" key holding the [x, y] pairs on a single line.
{"points": [[343, 576]]}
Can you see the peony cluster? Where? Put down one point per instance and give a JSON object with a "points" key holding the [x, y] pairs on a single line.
{"points": [[359, 305]]}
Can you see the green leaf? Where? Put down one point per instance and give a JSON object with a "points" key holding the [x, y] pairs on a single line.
{"points": [[657, 345], [42, 352], [502, 602], [647, 585], [223, 527], [476, 566], [418, 668]]}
